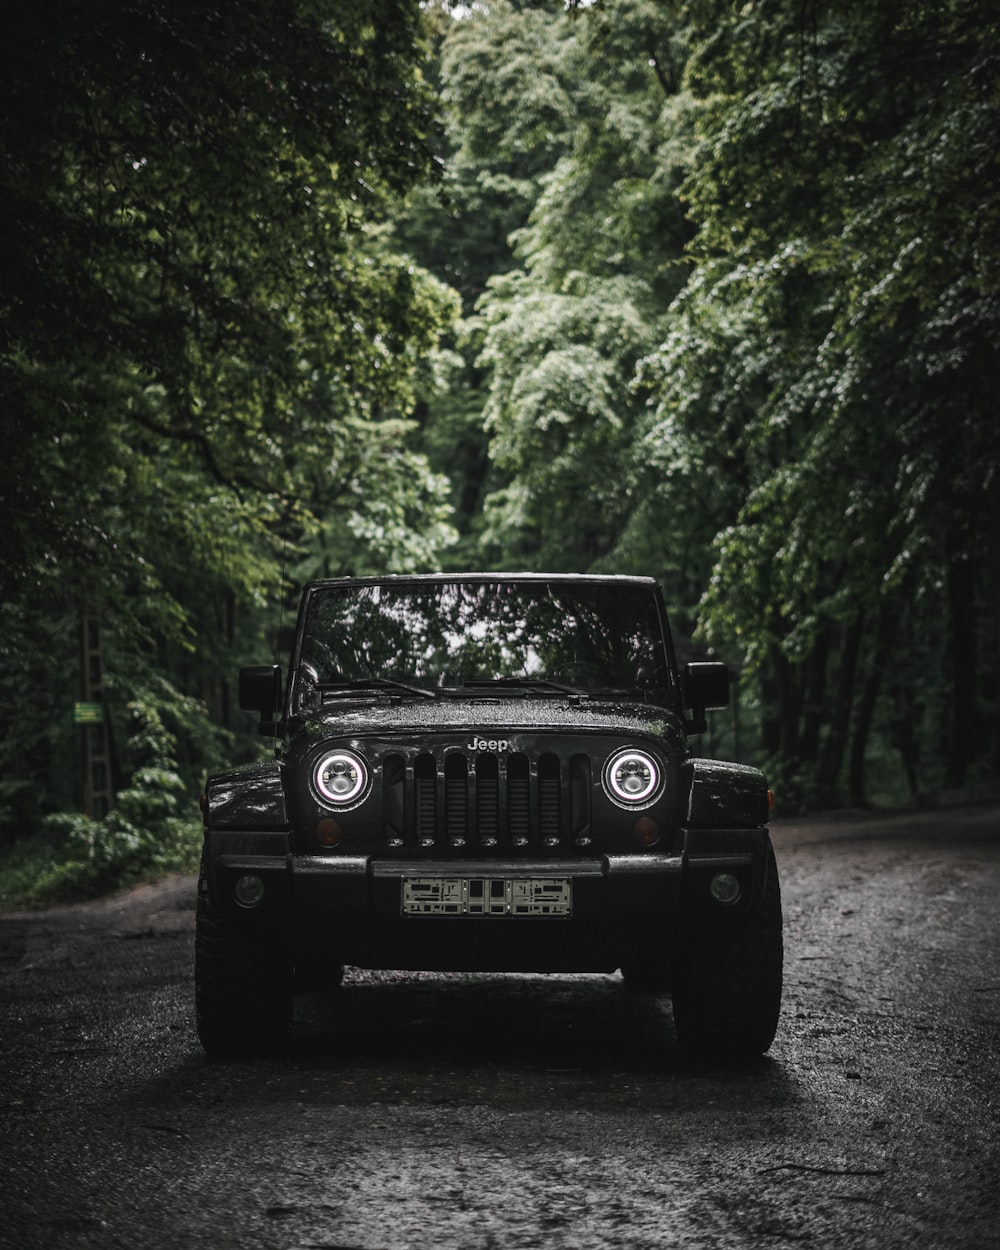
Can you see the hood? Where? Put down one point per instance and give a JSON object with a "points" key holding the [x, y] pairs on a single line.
{"points": [[385, 716]]}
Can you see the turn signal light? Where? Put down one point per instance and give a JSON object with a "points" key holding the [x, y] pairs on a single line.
{"points": [[646, 830], [328, 831]]}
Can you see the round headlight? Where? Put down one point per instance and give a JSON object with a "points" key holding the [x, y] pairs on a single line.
{"points": [[632, 778], [341, 778]]}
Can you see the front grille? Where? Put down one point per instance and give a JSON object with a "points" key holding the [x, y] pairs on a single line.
{"points": [[485, 801]]}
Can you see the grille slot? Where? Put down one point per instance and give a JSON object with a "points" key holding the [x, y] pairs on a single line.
{"points": [[425, 799], [486, 801], [518, 800], [549, 795], [394, 798], [456, 800]]}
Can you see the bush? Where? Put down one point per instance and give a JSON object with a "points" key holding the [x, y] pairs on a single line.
{"points": [[145, 833]]}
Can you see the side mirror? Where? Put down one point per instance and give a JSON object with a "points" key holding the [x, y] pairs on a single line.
{"points": [[706, 688], [260, 691]]}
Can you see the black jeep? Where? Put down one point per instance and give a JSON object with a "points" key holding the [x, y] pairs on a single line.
{"points": [[487, 772]]}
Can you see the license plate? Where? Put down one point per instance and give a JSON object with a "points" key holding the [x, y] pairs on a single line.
{"points": [[487, 896]]}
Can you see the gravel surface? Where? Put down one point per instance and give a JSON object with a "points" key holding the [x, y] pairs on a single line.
{"points": [[438, 1111]]}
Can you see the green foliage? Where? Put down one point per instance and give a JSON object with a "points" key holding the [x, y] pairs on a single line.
{"points": [[186, 232], [149, 831], [750, 344], [510, 91], [211, 345], [195, 275], [566, 133], [559, 414], [689, 289], [825, 378]]}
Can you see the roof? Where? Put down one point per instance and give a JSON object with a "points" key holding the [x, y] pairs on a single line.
{"points": [[401, 578]]}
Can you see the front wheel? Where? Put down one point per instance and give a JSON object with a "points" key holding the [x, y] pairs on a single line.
{"points": [[243, 986], [727, 985], [646, 976]]}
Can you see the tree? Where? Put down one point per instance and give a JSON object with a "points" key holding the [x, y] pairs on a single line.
{"points": [[210, 347], [746, 339], [188, 256], [836, 347], [598, 250], [508, 89]]}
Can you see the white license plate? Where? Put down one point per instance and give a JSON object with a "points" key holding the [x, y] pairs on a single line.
{"points": [[487, 896]]}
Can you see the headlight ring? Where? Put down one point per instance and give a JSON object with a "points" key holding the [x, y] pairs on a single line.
{"points": [[633, 779], [341, 779]]}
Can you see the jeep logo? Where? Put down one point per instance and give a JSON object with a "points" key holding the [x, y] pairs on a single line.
{"points": [[488, 744]]}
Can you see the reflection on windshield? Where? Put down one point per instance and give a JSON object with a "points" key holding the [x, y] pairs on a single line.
{"points": [[591, 636]]}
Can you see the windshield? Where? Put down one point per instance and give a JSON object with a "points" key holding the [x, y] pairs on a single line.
{"points": [[467, 635]]}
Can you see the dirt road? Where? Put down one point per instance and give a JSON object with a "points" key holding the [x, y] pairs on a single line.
{"points": [[476, 1112]]}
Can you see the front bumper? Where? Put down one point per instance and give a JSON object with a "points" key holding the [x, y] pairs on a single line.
{"points": [[579, 915]]}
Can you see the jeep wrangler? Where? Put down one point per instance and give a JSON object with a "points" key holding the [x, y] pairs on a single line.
{"points": [[487, 772]]}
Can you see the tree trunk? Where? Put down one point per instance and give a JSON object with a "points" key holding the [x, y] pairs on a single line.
{"points": [[962, 622], [812, 711], [789, 705], [832, 756], [887, 621]]}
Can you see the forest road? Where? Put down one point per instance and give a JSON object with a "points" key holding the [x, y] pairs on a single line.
{"points": [[474, 1112]]}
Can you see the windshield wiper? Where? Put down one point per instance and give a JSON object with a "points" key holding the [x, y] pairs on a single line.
{"points": [[381, 684], [524, 683]]}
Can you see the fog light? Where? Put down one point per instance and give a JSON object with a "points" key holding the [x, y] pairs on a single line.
{"points": [[249, 890], [725, 888]]}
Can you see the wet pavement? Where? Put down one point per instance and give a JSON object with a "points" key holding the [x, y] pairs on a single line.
{"points": [[438, 1111]]}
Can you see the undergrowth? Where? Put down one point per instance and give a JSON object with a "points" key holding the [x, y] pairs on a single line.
{"points": [[146, 834]]}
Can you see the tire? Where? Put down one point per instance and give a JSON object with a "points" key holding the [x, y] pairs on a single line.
{"points": [[318, 978], [242, 985], [646, 977], [727, 986]]}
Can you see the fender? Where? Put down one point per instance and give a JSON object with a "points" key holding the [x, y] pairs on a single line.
{"points": [[718, 795], [247, 798]]}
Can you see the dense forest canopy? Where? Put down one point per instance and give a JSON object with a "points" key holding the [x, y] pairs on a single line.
{"points": [[704, 290], [745, 337]]}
